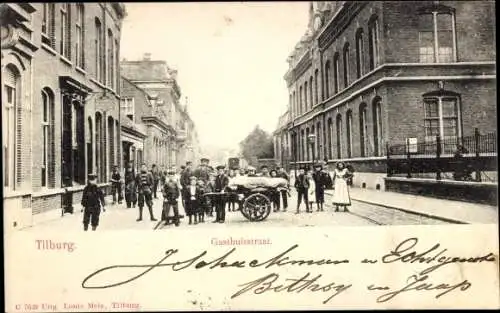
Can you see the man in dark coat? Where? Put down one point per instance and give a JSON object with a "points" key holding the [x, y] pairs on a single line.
{"points": [[156, 179], [221, 182], [302, 185], [321, 181], [171, 193], [284, 193], [116, 185], [130, 186], [92, 200], [203, 171], [145, 182]]}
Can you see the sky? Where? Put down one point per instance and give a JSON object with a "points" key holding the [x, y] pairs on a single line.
{"points": [[230, 57]]}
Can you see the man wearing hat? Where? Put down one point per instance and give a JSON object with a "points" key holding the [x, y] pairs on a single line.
{"points": [[251, 171], [116, 185], [203, 172], [171, 193], [321, 182], [221, 182], [186, 174], [284, 193], [264, 169], [192, 195], [145, 184], [92, 200]]}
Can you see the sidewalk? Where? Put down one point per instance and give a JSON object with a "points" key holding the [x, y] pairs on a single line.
{"points": [[446, 210]]}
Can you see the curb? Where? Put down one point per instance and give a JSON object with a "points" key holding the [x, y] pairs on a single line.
{"points": [[444, 219]]}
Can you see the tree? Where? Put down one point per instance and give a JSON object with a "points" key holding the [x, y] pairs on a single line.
{"points": [[258, 144]]}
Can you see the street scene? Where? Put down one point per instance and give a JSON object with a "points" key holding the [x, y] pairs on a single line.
{"points": [[173, 116]]}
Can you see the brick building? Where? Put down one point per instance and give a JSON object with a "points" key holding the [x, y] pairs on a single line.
{"points": [[369, 74], [61, 77], [164, 117]]}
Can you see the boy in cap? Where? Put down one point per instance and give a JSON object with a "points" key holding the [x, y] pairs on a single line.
{"points": [[203, 172], [302, 185], [116, 185], [145, 184], [192, 194], [210, 187], [320, 181], [92, 200], [202, 201], [171, 193]]}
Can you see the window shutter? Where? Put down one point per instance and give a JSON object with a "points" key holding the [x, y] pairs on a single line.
{"points": [[68, 32], [52, 27]]}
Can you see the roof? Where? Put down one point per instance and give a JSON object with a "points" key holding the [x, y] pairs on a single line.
{"points": [[145, 70]]}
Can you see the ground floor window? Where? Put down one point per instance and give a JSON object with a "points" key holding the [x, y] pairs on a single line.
{"points": [[442, 115]]}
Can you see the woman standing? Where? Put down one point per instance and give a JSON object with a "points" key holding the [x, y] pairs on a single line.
{"points": [[341, 190], [311, 191]]}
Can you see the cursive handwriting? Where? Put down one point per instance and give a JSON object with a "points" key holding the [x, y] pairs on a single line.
{"points": [[419, 283], [198, 263], [297, 285], [405, 253]]}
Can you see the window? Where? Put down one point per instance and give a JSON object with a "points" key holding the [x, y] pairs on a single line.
{"points": [[377, 126], [80, 39], [294, 105], [48, 25], [329, 138], [442, 116], [290, 103], [346, 65], [302, 145], [111, 142], [111, 60], [90, 149], [98, 51], [306, 143], [306, 98], [336, 75], [99, 147], [318, 140], [300, 100], [316, 84], [311, 103], [327, 80], [437, 37], [117, 66], [373, 42], [65, 47], [349, 133], [360, 56], [340, 132], [11, 126], [48, 146], [127, 106], [362, 129]]}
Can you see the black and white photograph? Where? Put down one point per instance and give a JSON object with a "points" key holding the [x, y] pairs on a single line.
{"points": [[361, 129]]}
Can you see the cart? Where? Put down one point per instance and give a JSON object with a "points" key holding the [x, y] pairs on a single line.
{"points": [[253, 193]]}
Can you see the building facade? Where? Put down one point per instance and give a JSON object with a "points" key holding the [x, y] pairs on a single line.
{"points": [[65, 95], [281, 142], [166, 120], [369, 74]]}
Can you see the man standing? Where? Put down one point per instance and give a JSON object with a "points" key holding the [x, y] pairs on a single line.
{"points": [[203, 172], [221, 182], [116, 185], [321, 182], [284, 193], [186, 175], [302, 185], [92, 201], [145, 183], [156, 179]]}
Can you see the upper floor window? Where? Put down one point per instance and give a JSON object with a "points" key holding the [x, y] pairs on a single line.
{"points": [[437, 36], [336, 75], [127, 106], [316, 77], [306, 98], [65, 30], [373, 43], [11, 126], [99, 59], [360, 56], [48, 25], [327, 79], [300, 99], [442, 115], [346, 65], [80, 39], [111, 60], [311, 103]]}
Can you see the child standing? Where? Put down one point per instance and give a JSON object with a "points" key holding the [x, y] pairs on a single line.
{"points": [[92, 200], [191, 199], [210, 187], [202, 203], [170, 193]]}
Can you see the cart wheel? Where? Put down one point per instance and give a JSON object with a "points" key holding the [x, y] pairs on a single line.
{"points": [[257, 207]]}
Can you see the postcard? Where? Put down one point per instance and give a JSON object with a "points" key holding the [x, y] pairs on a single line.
{"points": [[321, 155]]}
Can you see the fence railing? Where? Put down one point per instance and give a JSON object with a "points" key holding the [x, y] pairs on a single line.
{"points": [[461, 156]]}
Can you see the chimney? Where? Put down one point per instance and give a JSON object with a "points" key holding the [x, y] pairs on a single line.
{"points": [[146, 57]]}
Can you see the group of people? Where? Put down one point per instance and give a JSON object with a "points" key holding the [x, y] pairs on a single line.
{"points": [[201, 191]]}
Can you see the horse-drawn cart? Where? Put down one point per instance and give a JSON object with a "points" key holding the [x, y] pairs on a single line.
{"points": [[253, 193]]}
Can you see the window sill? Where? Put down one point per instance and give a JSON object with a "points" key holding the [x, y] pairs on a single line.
{"points": [[65, 60], [49, 49], [81, 70]]}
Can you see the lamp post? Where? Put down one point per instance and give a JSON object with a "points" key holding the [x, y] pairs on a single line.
{"points": [[312, 139]]}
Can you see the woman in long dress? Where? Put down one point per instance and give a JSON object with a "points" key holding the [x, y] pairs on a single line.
{"points": [[341, 196], [311, 191]]}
